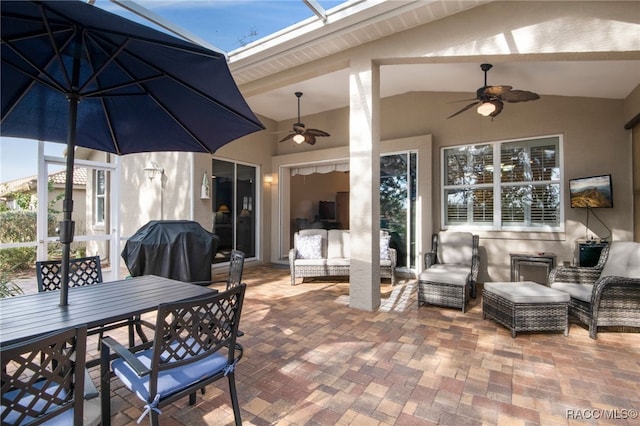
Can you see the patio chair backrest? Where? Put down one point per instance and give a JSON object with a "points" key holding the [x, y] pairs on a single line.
{"points": [[455, 248], [82, 271], [623, 260], [195, 329], [43, 379], [236, 266]]}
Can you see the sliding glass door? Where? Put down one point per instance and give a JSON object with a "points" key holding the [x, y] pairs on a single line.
{"points": [[398, 184], [234, 208]]}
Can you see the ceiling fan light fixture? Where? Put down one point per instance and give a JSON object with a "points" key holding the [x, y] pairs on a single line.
{"points": [[486, 108], [298, 138], [490, 99]]}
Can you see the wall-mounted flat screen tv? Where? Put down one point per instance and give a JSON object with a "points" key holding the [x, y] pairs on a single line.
{"points": [[327, 210], [591, 192]]}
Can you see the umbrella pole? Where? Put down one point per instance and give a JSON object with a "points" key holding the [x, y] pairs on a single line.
{"points": [[67, 225]]}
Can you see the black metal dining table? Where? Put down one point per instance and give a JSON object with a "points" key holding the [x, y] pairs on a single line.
{"points": [[25, 317]]}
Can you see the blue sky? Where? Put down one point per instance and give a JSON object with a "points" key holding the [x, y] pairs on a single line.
{"points": [[226, 24]]}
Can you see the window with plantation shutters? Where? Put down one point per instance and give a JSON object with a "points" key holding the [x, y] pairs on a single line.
{"points": [[469, 184], [503, 185]]}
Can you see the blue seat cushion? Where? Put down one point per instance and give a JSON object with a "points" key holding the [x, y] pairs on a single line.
{"points": [[63, 419], [171, 380]]}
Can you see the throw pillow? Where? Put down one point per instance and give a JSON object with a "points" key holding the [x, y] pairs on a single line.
{"points": [[384, 248], [309, 247]]}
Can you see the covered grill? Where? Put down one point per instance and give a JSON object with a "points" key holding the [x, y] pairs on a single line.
{"points": [[179, 249]]}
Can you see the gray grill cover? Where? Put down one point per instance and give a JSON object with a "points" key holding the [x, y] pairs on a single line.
{"points": [[179, 249]]}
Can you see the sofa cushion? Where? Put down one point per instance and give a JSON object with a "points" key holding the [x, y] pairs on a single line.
{"points": [[309, 247], [338, 244], [338, 261], [575, 290], [310, 262], [446, 274], [384, 247], [321, 232], [623, 260], [455, 247]]}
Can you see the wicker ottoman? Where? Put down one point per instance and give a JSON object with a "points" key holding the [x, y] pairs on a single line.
{"points": [[444, 286], [526, 306]]}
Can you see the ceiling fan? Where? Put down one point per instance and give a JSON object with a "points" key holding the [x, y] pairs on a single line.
{"points": [[490, 99], [300, 134]]}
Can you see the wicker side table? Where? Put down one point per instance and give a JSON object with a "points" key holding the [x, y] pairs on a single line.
{"points": [[526, 306]]}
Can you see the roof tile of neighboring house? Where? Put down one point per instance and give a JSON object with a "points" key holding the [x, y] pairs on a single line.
{"points": [[29, 182], [79, 176]]}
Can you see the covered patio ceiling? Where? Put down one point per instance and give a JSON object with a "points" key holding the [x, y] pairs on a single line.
{"points": [[597, 79], [354, 23]]}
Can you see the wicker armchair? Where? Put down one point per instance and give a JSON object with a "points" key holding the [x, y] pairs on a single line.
{"points": [[451, 270], [607, 294]]}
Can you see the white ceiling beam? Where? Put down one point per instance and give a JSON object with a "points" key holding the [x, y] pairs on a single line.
{"points": [[316, 9]]}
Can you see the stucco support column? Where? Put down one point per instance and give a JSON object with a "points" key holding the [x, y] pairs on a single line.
{"points": [[364, 180]]}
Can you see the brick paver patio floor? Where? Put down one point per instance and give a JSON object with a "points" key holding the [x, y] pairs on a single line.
{"points": [[311, 360]]}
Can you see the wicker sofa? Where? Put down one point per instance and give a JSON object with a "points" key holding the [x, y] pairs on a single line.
{"points": [[607, 294], [324, 253]]}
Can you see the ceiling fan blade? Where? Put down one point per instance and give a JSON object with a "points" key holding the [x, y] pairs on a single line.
{"points": [[288, 137], [496, 90], [499, 105], [316, 132], [471, 105], [463, 100], [519, 96], [309, 138]]}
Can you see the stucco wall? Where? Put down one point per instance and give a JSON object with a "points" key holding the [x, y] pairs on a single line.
{"points": [[167, 197], [595, 142], [632, 105]]}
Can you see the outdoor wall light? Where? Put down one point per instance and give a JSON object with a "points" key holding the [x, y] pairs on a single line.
{"points": [[204, 188], [268, 178], [152, 170], [299, 138], [486, 108]]}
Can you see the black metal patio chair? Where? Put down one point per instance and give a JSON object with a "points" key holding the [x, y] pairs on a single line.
{"points": [[85, 271], [194, 345], [236, 267], [43, 381], [234, 276]]}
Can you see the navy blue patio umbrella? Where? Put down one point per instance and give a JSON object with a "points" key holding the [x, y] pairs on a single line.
{"points": [[76, 74]]}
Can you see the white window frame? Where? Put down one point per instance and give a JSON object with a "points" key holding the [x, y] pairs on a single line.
{"points": [[497, 185], [97, 196]]}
